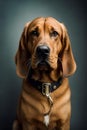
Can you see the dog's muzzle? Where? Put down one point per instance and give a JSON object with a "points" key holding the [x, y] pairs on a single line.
{"points": [[42, 53]]}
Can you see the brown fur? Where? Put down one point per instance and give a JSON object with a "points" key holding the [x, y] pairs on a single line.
{"points": [[32, 104]]}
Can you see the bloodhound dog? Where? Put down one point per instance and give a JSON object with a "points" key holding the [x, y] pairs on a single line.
{"points": [[44, 60]]}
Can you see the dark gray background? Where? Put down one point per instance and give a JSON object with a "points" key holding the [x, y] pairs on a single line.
{"points": [[13, 16]]}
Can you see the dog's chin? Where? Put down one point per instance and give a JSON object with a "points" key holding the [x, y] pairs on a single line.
{"points": [[43, 66]]}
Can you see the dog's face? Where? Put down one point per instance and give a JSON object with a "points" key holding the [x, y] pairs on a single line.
{"points": [[45, 45]]}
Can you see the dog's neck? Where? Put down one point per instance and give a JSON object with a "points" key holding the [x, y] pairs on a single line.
{"points": [[46, 76]]}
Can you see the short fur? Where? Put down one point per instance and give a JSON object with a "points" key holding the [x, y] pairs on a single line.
{"points": [[32, 104]]}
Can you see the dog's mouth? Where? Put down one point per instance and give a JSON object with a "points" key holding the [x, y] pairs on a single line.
{"points": [[43, 65]]}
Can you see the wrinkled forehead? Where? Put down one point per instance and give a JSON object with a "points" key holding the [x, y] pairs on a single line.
{"points": [[36, 23], [48, 22]]}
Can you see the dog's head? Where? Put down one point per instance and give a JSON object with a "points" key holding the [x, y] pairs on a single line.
{"points": [[44, 45]]}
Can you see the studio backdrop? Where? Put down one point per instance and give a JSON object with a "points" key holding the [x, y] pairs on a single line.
{"points": [[13, 16]]}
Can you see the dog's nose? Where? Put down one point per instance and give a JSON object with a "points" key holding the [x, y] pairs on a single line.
{"points": [[43, 51]]}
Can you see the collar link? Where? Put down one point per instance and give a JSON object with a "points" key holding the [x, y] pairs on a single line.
{"points": [[46, 88]]}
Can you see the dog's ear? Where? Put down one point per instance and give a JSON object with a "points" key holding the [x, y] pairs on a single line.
{"points": [[68, 61], [22, 55]]}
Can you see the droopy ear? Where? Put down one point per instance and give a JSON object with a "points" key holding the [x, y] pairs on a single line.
{"points": [[68, 62], [22, 57]]}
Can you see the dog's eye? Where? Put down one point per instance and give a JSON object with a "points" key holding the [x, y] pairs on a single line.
{"points": [[54, 34], [35, 33]]}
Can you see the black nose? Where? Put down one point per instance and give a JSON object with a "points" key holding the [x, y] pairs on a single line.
{"points": [[43, 51]]}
